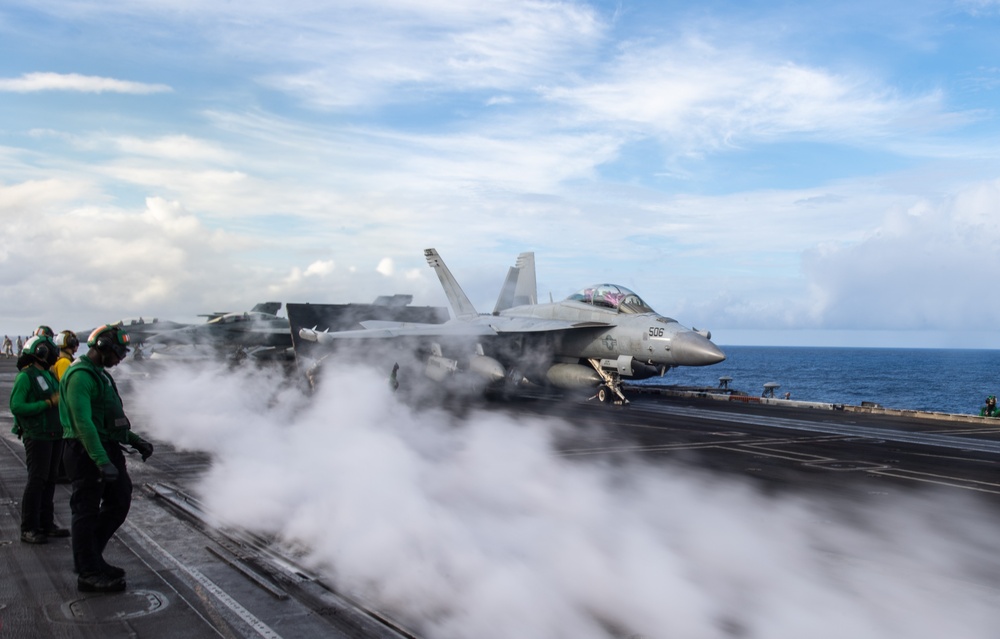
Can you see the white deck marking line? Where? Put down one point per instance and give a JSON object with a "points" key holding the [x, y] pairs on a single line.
{"points": [[211, 587]]}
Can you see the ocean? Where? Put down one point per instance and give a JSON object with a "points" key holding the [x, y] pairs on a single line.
{"points": [[941, 380]]}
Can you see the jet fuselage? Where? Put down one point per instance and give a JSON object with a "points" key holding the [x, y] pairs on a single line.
{"points": [[650, 338]]}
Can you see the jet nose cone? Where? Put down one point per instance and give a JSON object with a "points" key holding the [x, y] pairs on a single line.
{"points": [[694, 349]]}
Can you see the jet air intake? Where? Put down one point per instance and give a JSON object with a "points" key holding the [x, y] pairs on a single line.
{"points": [[628, 366]]}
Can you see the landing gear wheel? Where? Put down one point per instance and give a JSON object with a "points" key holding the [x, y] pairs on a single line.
{"points": [[604, 395]]}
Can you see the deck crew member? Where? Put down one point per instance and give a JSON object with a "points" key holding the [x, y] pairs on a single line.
{"points": [[95, 427], [68, 342], [990, 409], [34, 402]]}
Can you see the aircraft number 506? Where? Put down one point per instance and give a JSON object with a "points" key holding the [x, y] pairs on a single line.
{"points": [[655, 331]]}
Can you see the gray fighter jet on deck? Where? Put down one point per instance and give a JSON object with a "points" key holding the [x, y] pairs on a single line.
{"points": [[594, 339], [142, 329], [260, 326]]}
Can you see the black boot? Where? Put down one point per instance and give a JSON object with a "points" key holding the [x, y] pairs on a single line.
{"points": [[113, 571], [34, 537], [99, 582]]}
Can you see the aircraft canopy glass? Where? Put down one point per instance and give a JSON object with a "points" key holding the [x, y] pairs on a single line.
{"points": [[612, 296]]}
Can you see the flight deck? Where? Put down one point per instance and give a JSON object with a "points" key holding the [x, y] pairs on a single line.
{"points": [[190, 575]]}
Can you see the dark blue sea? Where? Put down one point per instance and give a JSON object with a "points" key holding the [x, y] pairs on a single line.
{"points": [[941, 380]]}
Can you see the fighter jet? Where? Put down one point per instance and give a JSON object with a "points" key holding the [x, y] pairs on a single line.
{"points": [[259, 326], [595, 339], [142, 329]]}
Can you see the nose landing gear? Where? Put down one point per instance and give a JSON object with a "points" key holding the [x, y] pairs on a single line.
{"points": [[610, 392]]}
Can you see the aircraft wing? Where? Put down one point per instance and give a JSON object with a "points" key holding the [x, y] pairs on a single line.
{"points": [[390, 329], [530, 325], [486, 327], [415, 329]]}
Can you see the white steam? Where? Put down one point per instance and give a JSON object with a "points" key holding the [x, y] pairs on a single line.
{"points": [[476, 527]]}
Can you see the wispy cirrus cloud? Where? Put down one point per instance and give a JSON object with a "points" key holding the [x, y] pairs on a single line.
{"points": [[34, 82], [388, 52], [705, 96]]}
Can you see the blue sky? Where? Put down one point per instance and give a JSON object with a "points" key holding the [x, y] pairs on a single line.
{"points": [[781, 173]]}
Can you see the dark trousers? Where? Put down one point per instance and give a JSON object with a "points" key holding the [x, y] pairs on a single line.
{"points": [[42, 458], [98, 507]]}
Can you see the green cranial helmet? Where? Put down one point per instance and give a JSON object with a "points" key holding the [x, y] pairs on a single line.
{"points": [[44, 331], [109, 338], [42, 349]]}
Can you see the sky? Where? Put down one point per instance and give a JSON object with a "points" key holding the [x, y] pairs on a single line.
{"points": [[776, 172]]}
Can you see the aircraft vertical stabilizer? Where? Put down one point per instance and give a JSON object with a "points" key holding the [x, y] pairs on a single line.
{"points": [[526, 291], [506, 298], [460, 304], [519, 288]]}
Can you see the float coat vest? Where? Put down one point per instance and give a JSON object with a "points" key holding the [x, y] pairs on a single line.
{"points": [[91, 410], [33, 418]]}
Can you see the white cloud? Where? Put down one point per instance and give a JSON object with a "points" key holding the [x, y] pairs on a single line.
{"points": [[183, 148], [107, 262], [386, 266], [499, 100], [931, 265], [30, 197], [706, 97], [319, 268], [394, 52], [171, 218], [980, 8], [32, 82]]}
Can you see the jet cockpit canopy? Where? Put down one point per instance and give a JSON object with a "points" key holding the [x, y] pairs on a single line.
{"points": [[612, 296]]}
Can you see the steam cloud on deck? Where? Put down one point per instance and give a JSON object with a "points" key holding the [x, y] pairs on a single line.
{"points": [[474, 526]]}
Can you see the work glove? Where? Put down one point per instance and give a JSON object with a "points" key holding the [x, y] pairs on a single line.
{"points": [[145, 449], [109, 473]]}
